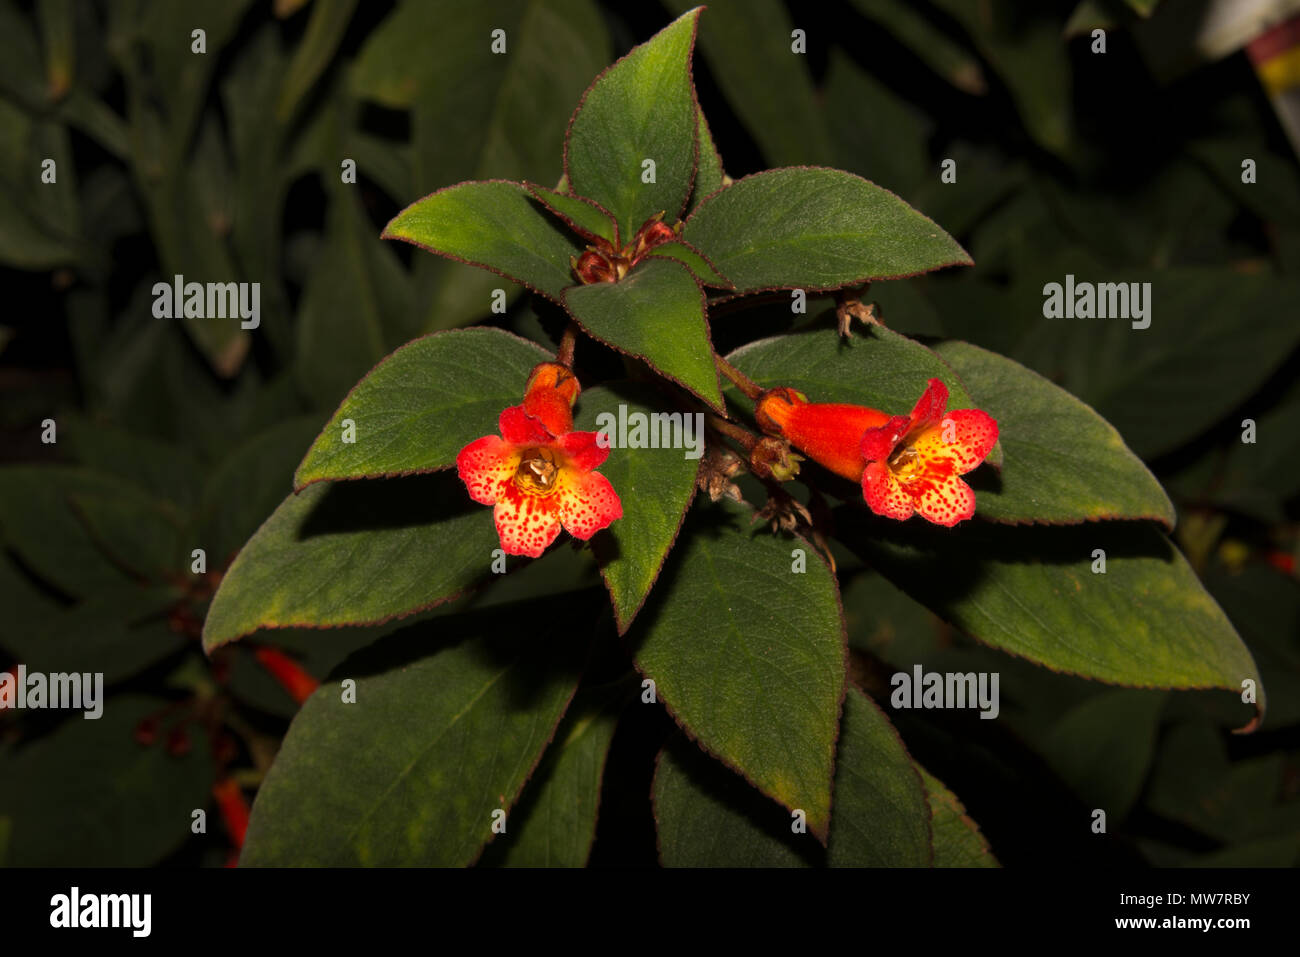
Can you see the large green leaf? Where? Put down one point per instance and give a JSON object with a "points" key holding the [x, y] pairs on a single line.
{"points": [[463, 713], [882, 818], [656, 313], [1206, 326], [655, 485], [641, 108], [88, 795], [1145, 622], [555, 822], [1103, 747], [747, 653], [881, 369], [706, 816], [1062, 462], [812, 228], [422, 405], [355, 553], [494, 224]]}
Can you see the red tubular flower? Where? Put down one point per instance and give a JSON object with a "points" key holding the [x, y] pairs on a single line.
{"points": [[233, 807], [539, 474], [288, 673], [827, 432], [906, 463]]}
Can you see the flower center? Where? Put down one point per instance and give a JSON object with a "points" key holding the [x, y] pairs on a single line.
{"points": [[537, 472], [903, 463]]}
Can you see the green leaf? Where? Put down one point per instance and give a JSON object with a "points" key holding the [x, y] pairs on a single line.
{"points": [[463, 715], [656, 313], [655, 484], [1062, 462], [1146, 622], [956, 839], [480, 115], [925, 40], [248, 485], [748, 656], [89, 796], [1264, 604], [38, 522], [1025, 47], [705, 816], [555, 821], [815, 229], [116, 632], [422, 404], [858, 107], [881, 369], [747, 44], [349, 315], [882, 818], [494, 224], [168, 471], [1207, 326], [583, 216], [709, 175], [641, 108], [140, 536], [1103, 747], [354, 554], [691, 258], [325, 30]]}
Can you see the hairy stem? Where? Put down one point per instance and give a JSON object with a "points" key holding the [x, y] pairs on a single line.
{"points": [[741, 381]]}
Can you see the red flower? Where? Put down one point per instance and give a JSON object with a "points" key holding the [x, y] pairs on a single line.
{"points": [[539, 474], [233, 807], [912, 462], [290, 675], [906, 463]]}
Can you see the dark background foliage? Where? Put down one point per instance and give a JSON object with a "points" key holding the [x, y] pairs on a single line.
{"points": [[225, 166]]}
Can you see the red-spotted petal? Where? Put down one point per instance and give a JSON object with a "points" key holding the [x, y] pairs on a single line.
{"points": [[587, 503], [520, 428], [945, 502], [963, 437], [486, 466], [584, 451], [526, 524], [929, 408], [878, 444], [883, 492]]}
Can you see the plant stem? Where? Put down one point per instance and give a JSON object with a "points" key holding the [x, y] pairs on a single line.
{"points": [[742, 382], [746, 438]]}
